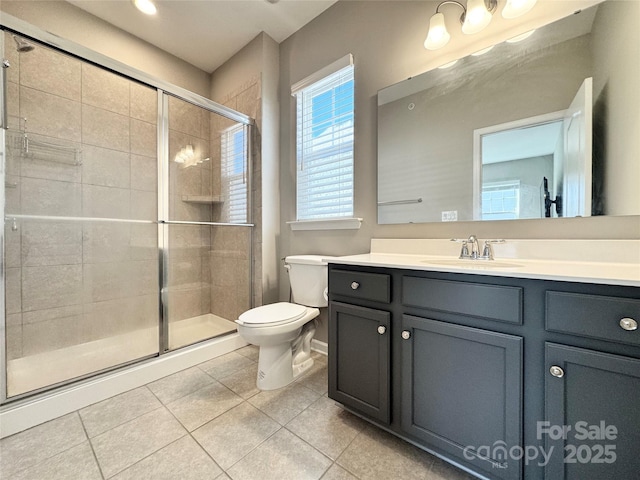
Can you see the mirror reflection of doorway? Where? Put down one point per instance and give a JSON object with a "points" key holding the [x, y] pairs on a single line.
{"points": [[510, 160]]}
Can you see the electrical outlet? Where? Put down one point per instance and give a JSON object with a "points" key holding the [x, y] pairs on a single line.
{"points": [[450, 216]]}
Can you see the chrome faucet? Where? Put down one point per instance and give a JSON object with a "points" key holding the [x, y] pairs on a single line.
{"points": [[474, 254], [475, 248]]}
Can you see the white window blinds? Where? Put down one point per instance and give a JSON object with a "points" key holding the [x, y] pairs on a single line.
{"points": [[324, 141], [234, 173]]}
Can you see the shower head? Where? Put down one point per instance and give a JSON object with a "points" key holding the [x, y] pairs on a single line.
{"points": [[22, 45]]}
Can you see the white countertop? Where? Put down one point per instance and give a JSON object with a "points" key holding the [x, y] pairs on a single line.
{"points": [[620, 267]]}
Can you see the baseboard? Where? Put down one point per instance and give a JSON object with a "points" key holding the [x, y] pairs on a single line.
{"points": [[320, 347], [28, 413]]}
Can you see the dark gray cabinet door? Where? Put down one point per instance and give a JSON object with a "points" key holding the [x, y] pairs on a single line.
{"points": [[359, 359], [462, 392], [595, 397]]}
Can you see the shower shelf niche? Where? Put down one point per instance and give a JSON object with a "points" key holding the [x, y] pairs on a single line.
{"points": [[206, 199]]}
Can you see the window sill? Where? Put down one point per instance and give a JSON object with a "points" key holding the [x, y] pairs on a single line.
{"points": [[326, 224]]}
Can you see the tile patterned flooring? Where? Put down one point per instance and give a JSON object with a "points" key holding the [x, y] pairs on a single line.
{"points": [[211, 422]]}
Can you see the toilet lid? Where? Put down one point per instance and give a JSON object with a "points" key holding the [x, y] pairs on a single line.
{"points": [[272, 314]]}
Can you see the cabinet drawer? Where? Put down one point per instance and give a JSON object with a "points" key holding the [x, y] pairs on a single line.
{"points": [[592, 316], [495, 302], [365, 286]]}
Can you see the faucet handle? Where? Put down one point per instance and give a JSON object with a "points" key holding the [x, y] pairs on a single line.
{"points": [[464, 251], [487, 251]]}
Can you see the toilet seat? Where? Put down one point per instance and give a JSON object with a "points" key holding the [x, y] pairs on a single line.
{"points": [[271, 315]]}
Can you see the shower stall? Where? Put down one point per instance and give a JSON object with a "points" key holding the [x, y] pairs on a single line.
{"points": [[127, 219]]}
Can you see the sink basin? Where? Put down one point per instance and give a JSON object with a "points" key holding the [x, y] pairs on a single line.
{"points": [[475, 264]]}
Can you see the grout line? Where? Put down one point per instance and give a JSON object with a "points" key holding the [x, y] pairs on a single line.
{"points": [[95, 457]]}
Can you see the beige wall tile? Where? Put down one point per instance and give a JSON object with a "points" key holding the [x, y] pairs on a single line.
{"points": [[102, 166], [49, 197], [14, 341], [13, 102], [51, 71], [38, 316], [51, 286], [106, 281], [144, 138], [105, 319], [143, 242], [144, 103], [37, 108], [12, 194], [12, 55], [185, 117], [51, 335], [13, 290], [185, 303], [144, 205], [12, 243], [49, 243], [144, 173], [185, 271], [248, 101], [107, 202], [106, 242], [105, 90], [105, 129], [144, 311], [143, 277]]}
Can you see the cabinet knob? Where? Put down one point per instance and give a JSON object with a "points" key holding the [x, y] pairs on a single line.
{"points": [[406, 334], [355, 285], [382, 329], [556, 371], [628, 324]]}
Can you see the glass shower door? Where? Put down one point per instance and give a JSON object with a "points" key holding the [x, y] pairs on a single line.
{"points": [[81, 266], [208, 237]]}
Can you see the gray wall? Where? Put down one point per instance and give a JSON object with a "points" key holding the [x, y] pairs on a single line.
{"points": [[619, 52]]}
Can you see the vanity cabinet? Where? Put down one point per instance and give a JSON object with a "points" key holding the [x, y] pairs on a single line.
{"points": [[462, 390], [484, 370], [360, 377], [595, 397]]}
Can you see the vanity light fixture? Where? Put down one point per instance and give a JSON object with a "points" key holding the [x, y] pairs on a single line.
{"points": [[515, 8], [475, 16], [145, 6]]}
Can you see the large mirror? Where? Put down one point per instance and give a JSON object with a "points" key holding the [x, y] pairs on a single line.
{"points": [[547, 126]]}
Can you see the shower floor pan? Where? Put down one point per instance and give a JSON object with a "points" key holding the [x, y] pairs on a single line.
{"points": [[41, 370]]}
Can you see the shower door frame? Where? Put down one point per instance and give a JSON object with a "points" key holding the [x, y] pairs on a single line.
{"points": [[164, 89]]}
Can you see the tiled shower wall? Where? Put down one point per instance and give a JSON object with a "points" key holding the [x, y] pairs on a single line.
{"points": [[230, 246], [72, 282]]}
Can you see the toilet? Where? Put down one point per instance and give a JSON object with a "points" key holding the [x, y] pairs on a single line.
{"points": [[284, 330]]}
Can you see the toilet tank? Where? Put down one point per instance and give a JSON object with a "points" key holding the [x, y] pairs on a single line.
{"points": [[308, 279]]}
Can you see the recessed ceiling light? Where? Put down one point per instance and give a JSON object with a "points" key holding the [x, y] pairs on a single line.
{"points": [[145, 6]]}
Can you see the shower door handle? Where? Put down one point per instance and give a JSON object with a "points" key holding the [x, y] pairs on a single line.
{"points": [[3, 101]]}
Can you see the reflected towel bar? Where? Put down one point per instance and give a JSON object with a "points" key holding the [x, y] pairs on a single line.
{"points": [[400, 202]]}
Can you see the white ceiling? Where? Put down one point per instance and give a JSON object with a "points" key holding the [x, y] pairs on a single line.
{"points": [[518, 143], [206, 33]]}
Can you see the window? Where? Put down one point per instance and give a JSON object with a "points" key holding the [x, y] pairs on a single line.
{"points": [[234, 173], [324, 142]]}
